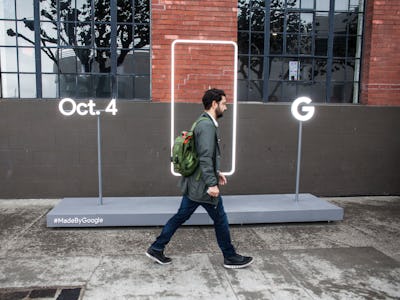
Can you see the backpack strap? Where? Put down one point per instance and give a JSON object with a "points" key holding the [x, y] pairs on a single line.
{"points": [[198, 121], [193, 126]]}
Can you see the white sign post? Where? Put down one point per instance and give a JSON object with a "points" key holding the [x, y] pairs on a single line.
{"points": [[84, 109], [308, 111]]}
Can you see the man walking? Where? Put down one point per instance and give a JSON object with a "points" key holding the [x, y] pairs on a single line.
{"points": [[202, 187]]}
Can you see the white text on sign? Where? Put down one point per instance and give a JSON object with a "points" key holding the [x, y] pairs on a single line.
{"points": [[69, 107]]}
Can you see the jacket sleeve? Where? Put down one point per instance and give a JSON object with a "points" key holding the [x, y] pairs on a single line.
{"points": [[205, 145]]}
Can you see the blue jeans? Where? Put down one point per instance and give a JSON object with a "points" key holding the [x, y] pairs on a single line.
{"points": [[186, 209]]}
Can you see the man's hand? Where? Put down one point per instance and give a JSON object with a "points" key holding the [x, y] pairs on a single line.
{"points": [[213, 191], [222, 179]]}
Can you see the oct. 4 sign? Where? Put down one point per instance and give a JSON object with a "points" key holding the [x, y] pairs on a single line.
{"points": [[304, 112], [69, 107]]}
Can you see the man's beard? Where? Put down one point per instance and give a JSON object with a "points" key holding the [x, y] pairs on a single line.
{"points": [[219, 113]]}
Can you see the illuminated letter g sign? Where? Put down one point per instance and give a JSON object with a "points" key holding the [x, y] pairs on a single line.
{"points": [[307, 110]]}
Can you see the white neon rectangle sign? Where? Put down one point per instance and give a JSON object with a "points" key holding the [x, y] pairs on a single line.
{"points": [[234, 125]]}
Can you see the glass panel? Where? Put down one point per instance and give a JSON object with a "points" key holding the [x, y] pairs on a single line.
{"points": [[243, 19], [142, 36], [321, 23], [339, 70], [339, 46], [8, 59], [26, 34], [7, 33], [321, 45], [24, 9], [257, 20], [26, 57], [102, 86], [7, 9], [275, 91], [349, 70], [348, 92], [306, 22], [337, 93], [49, 85], [125, 36], [340, 23], [306, 44], [84, 9], [351, 45], [279, 4], [322, 5], [320, 68], [103, 62], [292, 44], [102, 11], [293, 3], [49, 32], [142, 11], [289, 91], [49, 60], [142, 87], [277, 21], [85, 88], [276, 68], [293, 22], [255, 90], [242, 90], [315, 91], [9, 85], [276, 43], [67, 60], [342, 5], [257, 4], [307, 4], [67, 85], [353, 23], [256, 68], [137, 62], [306, 70], [103, 35], [243, 43], [27, 85], [126, 87], [243, 71], [355, 5], [257, 43], [48, 10]]}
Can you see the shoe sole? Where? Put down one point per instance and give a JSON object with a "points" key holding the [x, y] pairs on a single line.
{"points": [[157, 260], [238, 266]]}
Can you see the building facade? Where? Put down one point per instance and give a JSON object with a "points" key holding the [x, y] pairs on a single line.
{"points": [[342, 54]]}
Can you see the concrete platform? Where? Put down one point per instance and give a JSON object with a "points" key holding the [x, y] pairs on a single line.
{"points": [[154, 211]]}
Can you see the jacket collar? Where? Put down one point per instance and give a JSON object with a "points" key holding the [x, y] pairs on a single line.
{"points": [[212, 118]]}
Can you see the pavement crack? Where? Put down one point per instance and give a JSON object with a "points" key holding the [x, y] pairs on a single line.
{"points": [[9, 245]]}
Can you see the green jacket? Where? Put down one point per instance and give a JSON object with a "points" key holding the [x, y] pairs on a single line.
{"points": [[206, 174]]}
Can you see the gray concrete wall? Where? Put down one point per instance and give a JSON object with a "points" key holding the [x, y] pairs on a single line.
{"points": [[347, 150]]}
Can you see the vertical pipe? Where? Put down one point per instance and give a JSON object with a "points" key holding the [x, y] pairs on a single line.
{"points": [[100, 201], [266, 62], [38, 60], [298, 160]]}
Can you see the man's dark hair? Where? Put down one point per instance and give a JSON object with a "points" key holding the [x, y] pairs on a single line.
{"points": [[210, 96]]}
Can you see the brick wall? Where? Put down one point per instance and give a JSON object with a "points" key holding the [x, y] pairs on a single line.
{"points": [[200, 66], [381, 59]]}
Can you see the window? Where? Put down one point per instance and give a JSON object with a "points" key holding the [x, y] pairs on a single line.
{"points": [[291, 48], [75, 48]]}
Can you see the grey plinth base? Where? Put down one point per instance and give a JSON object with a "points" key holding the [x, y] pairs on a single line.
{"points": [[152, 211]]}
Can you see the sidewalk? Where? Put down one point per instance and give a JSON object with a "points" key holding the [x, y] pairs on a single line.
{"points": [[358, 258]]}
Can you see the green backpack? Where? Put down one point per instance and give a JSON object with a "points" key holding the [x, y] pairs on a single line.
{"points": [[184, 155]]}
